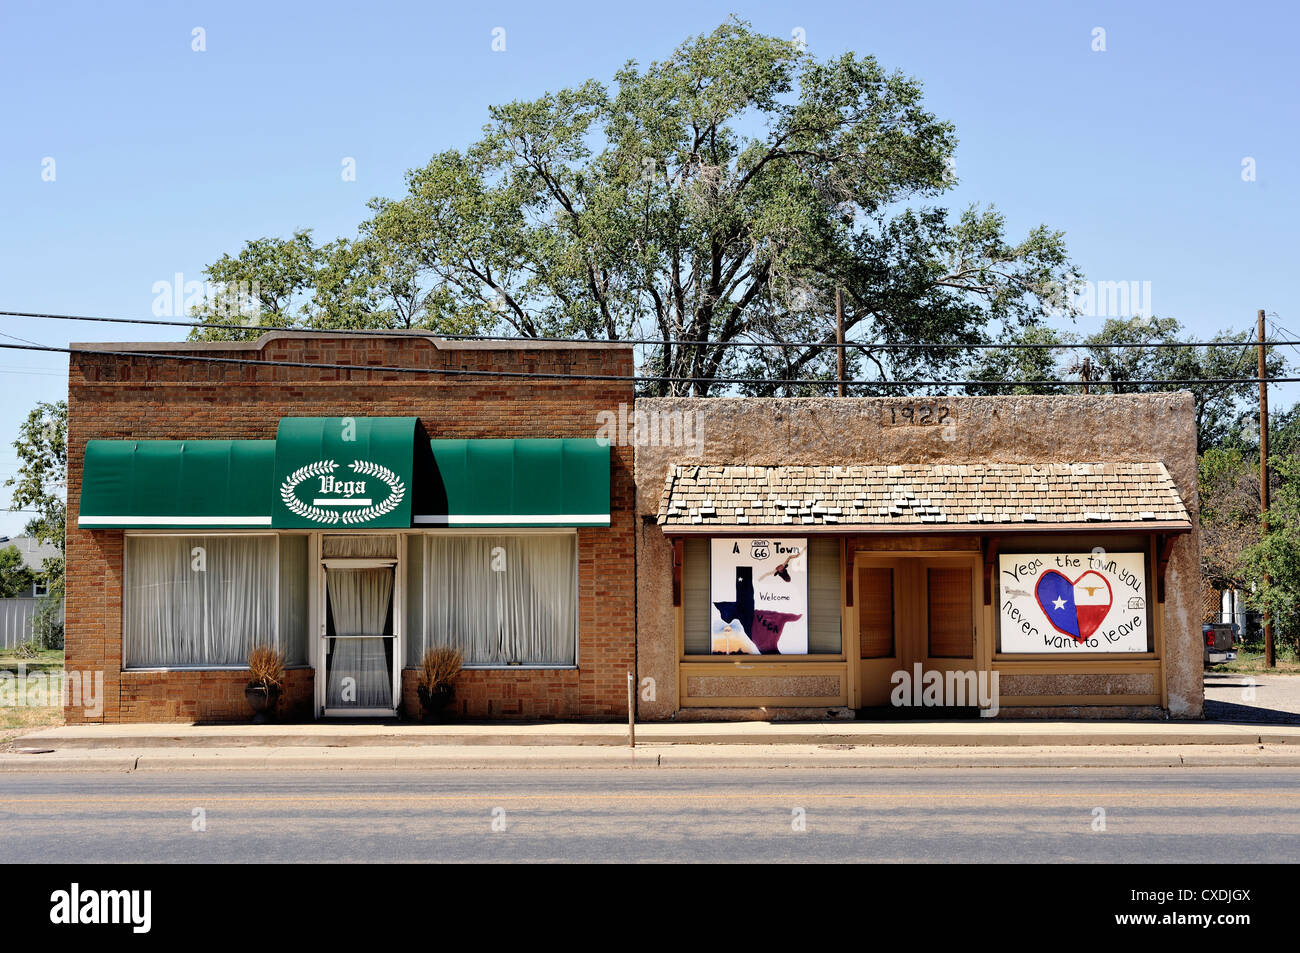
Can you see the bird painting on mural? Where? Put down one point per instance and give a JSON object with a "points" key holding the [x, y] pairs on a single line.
{"points": [[763, 626], [782, 571]]}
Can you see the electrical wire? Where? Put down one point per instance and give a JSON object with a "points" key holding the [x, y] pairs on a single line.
{"points": [[551, 375], [640, 342]]}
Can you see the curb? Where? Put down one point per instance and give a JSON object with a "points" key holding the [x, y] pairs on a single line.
{"points": [[687, 757], [769, 736]]}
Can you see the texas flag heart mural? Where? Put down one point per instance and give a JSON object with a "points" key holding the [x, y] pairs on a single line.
{"points": [[1073, 602]]}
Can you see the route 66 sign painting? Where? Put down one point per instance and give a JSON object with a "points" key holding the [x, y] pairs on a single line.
{"points": [[1073, 602]]}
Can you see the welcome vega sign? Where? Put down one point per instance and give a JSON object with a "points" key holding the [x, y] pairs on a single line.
{"points": [[1073, 602]]}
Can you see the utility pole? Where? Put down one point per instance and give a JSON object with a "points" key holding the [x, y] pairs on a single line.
{"points": [[1270, 659], [839, 340]]}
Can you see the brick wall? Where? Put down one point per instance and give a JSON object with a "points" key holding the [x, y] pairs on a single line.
{"points": [[132, 397]]}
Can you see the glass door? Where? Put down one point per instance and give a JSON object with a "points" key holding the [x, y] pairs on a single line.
{"points": [[359, 651]]}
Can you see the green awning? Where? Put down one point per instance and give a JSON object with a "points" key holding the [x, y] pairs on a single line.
{"points": [[344, 472], [522, 482], [184, 484]]}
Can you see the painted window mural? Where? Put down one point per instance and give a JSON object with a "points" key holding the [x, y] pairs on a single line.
{"points": [[759, 596], [1073, 602]]}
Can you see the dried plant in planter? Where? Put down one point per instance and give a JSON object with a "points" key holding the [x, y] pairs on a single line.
{"points": [[439, 668], [266, 680], [435, 685], [266, 667]]}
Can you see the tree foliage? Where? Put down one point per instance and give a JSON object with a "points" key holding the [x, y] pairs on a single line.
{"points": [[1223, 411], [40, 485], [721, 194], [15, 578], [1272, 564]]}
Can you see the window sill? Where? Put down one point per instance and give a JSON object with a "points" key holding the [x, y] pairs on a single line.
{"points": [[201, 668], [515, 668], [761, 659]]}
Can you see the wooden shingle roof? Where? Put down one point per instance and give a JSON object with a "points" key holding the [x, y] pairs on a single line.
{"points": [[923, 497]]}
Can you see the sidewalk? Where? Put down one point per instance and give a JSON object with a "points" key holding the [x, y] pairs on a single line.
{"points": [[397, 746], [981, 732]]}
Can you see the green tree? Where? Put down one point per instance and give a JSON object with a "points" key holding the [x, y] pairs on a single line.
{"points": [[1222, 410], [40, 486], [1272, 565], [1024, 362], [15, 578], [1228, 490], [722, 194], [266, 285]]}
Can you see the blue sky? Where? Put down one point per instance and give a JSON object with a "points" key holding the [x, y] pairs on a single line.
{"points": [[165, 158]]}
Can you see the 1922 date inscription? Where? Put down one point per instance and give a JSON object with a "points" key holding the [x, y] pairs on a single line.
{"points": [[917, 413]]}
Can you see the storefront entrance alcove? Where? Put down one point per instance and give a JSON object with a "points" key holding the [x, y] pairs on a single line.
{"points": [[916, 615], [358, 660]]}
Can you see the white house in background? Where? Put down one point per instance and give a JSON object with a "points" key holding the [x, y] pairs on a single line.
{"points": [[18, 613], [34, 554]]}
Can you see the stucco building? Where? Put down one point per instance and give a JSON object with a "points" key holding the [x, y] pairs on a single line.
{"points": [[1049, 540]]}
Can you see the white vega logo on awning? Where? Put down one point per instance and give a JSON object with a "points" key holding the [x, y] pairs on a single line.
{"points": [[334, 500]]}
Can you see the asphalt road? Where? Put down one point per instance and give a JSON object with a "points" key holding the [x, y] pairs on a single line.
{"points": [[974, 815]]}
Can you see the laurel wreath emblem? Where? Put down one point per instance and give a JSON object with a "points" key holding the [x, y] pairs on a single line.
{"points": [[318, 514], [395, 485], [296, 506]]}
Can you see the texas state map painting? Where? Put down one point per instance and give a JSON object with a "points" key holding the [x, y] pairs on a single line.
{"points": [[759, 596]]}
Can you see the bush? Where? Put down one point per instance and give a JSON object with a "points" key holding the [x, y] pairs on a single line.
{"points": [[31, 648], [47, 623]]}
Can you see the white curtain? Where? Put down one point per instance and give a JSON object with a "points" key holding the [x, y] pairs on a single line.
{"points": [[381, 546], [294, 592], [359, 600], [501, 599], [197, 600]]}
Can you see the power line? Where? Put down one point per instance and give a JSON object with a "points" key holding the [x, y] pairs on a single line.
{"points": [[1278, 326], [640, 342], [633, 378]]}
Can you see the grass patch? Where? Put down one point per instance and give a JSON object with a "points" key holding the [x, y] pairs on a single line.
{"points": [[19, 720], [46, 660], [1250, 660], [15, 722]]}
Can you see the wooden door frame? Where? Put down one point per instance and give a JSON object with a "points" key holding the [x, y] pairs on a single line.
{"points": [[911, 623]]}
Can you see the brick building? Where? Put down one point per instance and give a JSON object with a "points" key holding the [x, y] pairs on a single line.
{"points": [[350, 518]]}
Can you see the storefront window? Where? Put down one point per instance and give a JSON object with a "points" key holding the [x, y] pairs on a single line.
{"points": [[500, 600], [1075, 601], [198, 600], [739, 616]]}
